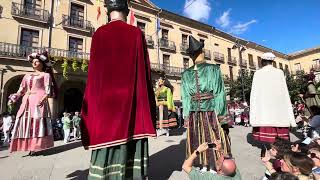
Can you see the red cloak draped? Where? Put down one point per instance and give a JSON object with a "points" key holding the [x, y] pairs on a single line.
{"points": [[119, 103]]}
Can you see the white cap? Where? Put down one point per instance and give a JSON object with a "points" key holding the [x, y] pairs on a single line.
{"points": [[268, 56]]}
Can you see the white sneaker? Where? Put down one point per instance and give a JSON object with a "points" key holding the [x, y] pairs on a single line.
{"points": [[167, 133], [213, 171]]}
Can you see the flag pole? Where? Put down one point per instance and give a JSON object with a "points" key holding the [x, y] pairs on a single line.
{"points": [[158, 39]]}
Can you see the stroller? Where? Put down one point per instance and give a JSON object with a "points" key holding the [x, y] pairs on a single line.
{"points": [[57, 129]]}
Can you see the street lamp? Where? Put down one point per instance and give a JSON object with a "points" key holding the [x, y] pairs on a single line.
{"points": [[241, 49]]}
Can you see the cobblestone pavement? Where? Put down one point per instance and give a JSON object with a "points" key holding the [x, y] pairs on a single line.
{"points": [[167, 154]]}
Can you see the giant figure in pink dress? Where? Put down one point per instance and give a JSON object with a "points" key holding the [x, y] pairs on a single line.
{"points": [[32, 128]]}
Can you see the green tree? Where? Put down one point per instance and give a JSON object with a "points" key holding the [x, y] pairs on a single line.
{"points": [[296, 84], [236, 86]]}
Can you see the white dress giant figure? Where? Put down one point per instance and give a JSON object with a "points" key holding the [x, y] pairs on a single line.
{"points": [[271, 112]]}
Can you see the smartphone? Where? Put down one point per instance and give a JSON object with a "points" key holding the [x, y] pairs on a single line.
{"points": [[263, 151], [212, 145]]}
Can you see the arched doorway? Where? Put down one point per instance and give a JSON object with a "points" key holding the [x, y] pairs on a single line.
{"points": [[11, 87], [73, 100], [70, 97]]}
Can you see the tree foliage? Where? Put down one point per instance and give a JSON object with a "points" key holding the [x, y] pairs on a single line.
{"points": [[295, 83], [236, 86]]}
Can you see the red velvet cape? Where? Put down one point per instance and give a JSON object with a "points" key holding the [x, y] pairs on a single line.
{"points": [[119, 103]]}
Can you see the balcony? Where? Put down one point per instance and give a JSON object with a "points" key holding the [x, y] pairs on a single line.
{"points": [[30, 13], [150, 41], [167, 45], [232, 60], [253, 65], [207, 54], [243, 64], [67, 54], [77, 23], [173, 71], [218, 57], [169, 70], [15, 51], [184, 47]]}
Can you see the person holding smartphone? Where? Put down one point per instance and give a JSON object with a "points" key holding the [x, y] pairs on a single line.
{"points": [[226, 166]]}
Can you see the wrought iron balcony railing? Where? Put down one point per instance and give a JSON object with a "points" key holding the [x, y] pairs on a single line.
{"points": [[173, 71], [232, 60], [30, 12], [149, 40], [20, 52], [166, 44], [243, 63], [78, 23], [184, 47], [170, 70], [219, 57], [207, 54]]}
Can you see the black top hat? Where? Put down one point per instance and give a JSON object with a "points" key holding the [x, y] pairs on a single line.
{"points": [[194, 46], [117, 5]]}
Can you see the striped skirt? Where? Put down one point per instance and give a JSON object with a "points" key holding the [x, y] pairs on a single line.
{"points": [[127, 161], [205, 127], [31, 134], [165, 119], [269, 134]]}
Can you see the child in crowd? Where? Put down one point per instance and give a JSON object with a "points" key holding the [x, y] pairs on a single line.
{"points": [[66, 126]]}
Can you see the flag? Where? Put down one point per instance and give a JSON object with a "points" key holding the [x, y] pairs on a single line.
{"points": [[98, 10], [132, 18], [158, 25]]}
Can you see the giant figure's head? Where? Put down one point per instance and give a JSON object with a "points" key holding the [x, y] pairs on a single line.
{"points": [[117, 5]]}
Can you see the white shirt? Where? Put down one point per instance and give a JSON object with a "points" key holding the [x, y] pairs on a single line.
{"points": [[7, 120]]}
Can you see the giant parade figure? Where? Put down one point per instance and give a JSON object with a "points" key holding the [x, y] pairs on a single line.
{"points": [[271, 112], [165, 109], [204, 100], [119, 104]]}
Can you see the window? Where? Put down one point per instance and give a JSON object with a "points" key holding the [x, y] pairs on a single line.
{"points": [[165, 34], [316, 63], [184, 39], [215, 44], [77, 15], [259, 62], [250, 57], [286, 67], [229, 54], [32, 4], [142, 26], [166, 61], [185, 63], [231, 72], [280, 66], [29, 38], [274, 64], [202, 40], [1, 9], [297, 66], [75, 44]]}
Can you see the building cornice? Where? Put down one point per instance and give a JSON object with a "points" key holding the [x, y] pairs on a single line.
{"points": [[304, 52]]}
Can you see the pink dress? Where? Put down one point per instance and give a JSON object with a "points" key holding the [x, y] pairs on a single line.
{"points": [[32, 129]]}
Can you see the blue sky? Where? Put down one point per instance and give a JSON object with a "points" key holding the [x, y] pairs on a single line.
{"points": [[283, 25]]}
